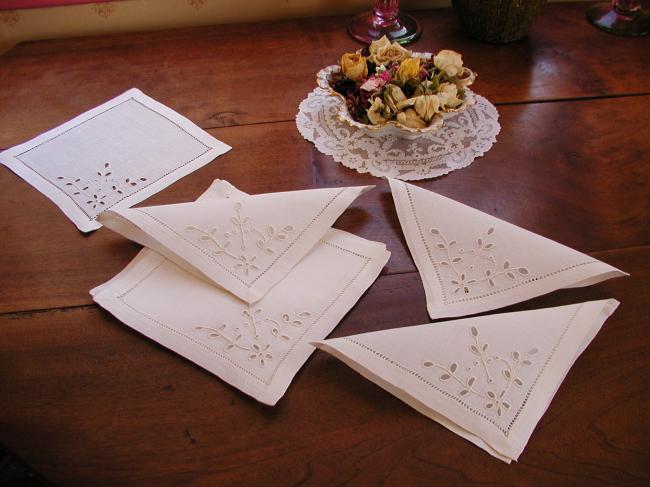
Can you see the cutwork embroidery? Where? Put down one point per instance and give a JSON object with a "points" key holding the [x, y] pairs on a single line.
{"points": [[256, 349], [243, 232], [96, 190], [494, 395], [476, 265]]}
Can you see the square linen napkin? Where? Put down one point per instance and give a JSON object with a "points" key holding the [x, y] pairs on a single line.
{"points": [[258, 347], [488, 379], [472, 262], [112, 156]]}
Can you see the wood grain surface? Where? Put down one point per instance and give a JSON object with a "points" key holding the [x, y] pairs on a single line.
{"points": [[85, 400]]}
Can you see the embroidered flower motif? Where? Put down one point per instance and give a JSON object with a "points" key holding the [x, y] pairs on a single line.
{"points": [[95, 191], [494, 396], [245, 233], [247, 264], [249, 340], [474, 266], [260, 354]]}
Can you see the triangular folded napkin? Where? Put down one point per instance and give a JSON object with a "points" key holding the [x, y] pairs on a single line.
{"points": [[112, 156], [488, 379], [258, 347], [472, 262], [245, 243]]}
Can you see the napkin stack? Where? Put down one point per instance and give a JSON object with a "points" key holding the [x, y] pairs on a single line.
{"points": [[491, 378], [242, 284]]}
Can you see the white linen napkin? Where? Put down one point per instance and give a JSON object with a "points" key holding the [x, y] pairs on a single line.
{"points": [[472, 262], [112, 156], [488, 379], [244, 243], [259, 347]]}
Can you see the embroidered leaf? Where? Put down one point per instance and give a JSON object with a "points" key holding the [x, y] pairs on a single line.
{"points": [[523, 271], [519, 382], [304, 314], [285, 338], [491, 282], [490, 231], [510, 275], [479, 241], [106, 165], [470, 381], [229, 347], [296, 323], [204, 238], [462, 276], [484, 347], [270, 231], [445, 377], [444, 263], [527, 362], [60, 177], [269, 251], [260, 244], [506, 264], [456, 260], [280, 236], [222, 327], [499, 411], [452, 243], [533, 351], [143, 179], [505, 405], [488, 246], [435, 231], [190, 228], [506, 374], [515, 355], [489, 405], [455, 282], [453, 367], [488, 272], [474, 331], [491, 394], [428, 364], [502, 393], [463, 392], [441, 246], [288, 228], [474, 349]]}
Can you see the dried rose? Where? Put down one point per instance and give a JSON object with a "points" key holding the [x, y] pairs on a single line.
{"points": [[450, 62], [354, 66], [378, 113], [373, 83], [408, 69], [426, 106], [383, 52], [393, 95], [448, 93], [410, 118]]}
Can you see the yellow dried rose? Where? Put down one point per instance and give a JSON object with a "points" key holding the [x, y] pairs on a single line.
{"points": [[378, 113], [383, 52], [354, 66], [450, 62], [393, 95], [448, 93], [408, 69], [410, 118], [426, 106]]}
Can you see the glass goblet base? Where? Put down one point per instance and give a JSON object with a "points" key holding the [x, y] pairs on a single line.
{"points": [[607, 18], [366, 29]]}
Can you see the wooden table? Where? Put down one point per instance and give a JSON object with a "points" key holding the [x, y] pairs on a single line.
{"points": [[87, 401]]}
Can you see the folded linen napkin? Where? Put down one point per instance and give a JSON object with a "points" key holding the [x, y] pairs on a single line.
{"points": [[243, 243], [472, 262], [488, 379]]}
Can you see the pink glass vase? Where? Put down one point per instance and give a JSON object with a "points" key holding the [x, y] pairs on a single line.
{"points": [[620, 17], [385, 19]]}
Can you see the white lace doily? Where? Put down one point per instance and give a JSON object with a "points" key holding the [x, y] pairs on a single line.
{"points": [[463, 137]]}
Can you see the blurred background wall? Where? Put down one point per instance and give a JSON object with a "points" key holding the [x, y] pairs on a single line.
{"points": [[80, 17]]}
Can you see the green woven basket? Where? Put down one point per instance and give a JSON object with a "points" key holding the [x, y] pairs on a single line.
{"points": [[497, 20]]}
